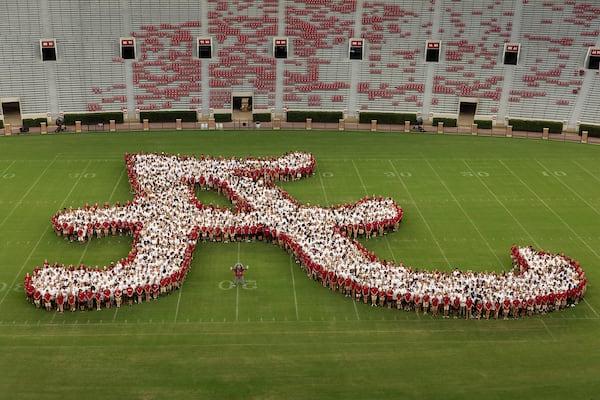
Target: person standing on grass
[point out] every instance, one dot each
(238, 274)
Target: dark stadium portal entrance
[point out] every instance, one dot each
(466, 114)
(241, 108)
(242, 103)
(12, 113)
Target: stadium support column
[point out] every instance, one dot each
(129, 88)
(204, 63)
(583, 94)
(280, 62)
(355, 66)
(50, 67)
(509, 70)
(431, 67)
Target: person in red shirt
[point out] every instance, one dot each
(407, 301)
(98, 297)
(139, 291)
(348, 287)
(389, 297)
(425, 303)
(129, 294)
(488, 309)
(516, 308)
(48, 301)
(71, 300)
(60, 301)
(118, 298)
(107, 302)
(148, 292)
(435, 302)
(374, 292)
(238, 274)
(446, 301)
(456, 307)
(505, 308)
(417, 302)
(479, 309)
(81, 300)
(469, 307)
(381, 298)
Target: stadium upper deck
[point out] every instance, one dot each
(554, 40)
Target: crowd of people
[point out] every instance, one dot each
(166, 220)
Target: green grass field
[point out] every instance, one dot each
(466, 201)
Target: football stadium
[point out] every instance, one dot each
(307, 199)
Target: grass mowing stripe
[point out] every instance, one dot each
(33, 185)
(591, 308)
(43, 234)
(569, 187)
(550, 209)
(419, 211)
(464, 212)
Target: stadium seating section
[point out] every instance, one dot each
(550, 81)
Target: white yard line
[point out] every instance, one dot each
(33, 185)
(178, 301)
(323, 188)
(569, 187)
(464, 212)
(547, 329)
(116, 185)
(355, 309)
(237, 290)
(590, 173)
(237, 303)
(294, 288)
(360, 178)
(591, 308)
(7, 168)
(42, 236)
(419, 211)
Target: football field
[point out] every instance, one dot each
(466, 201)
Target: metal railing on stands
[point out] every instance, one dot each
(242, 125)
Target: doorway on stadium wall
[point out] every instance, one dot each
(466, 113)
(241, 104)
(11, 109)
